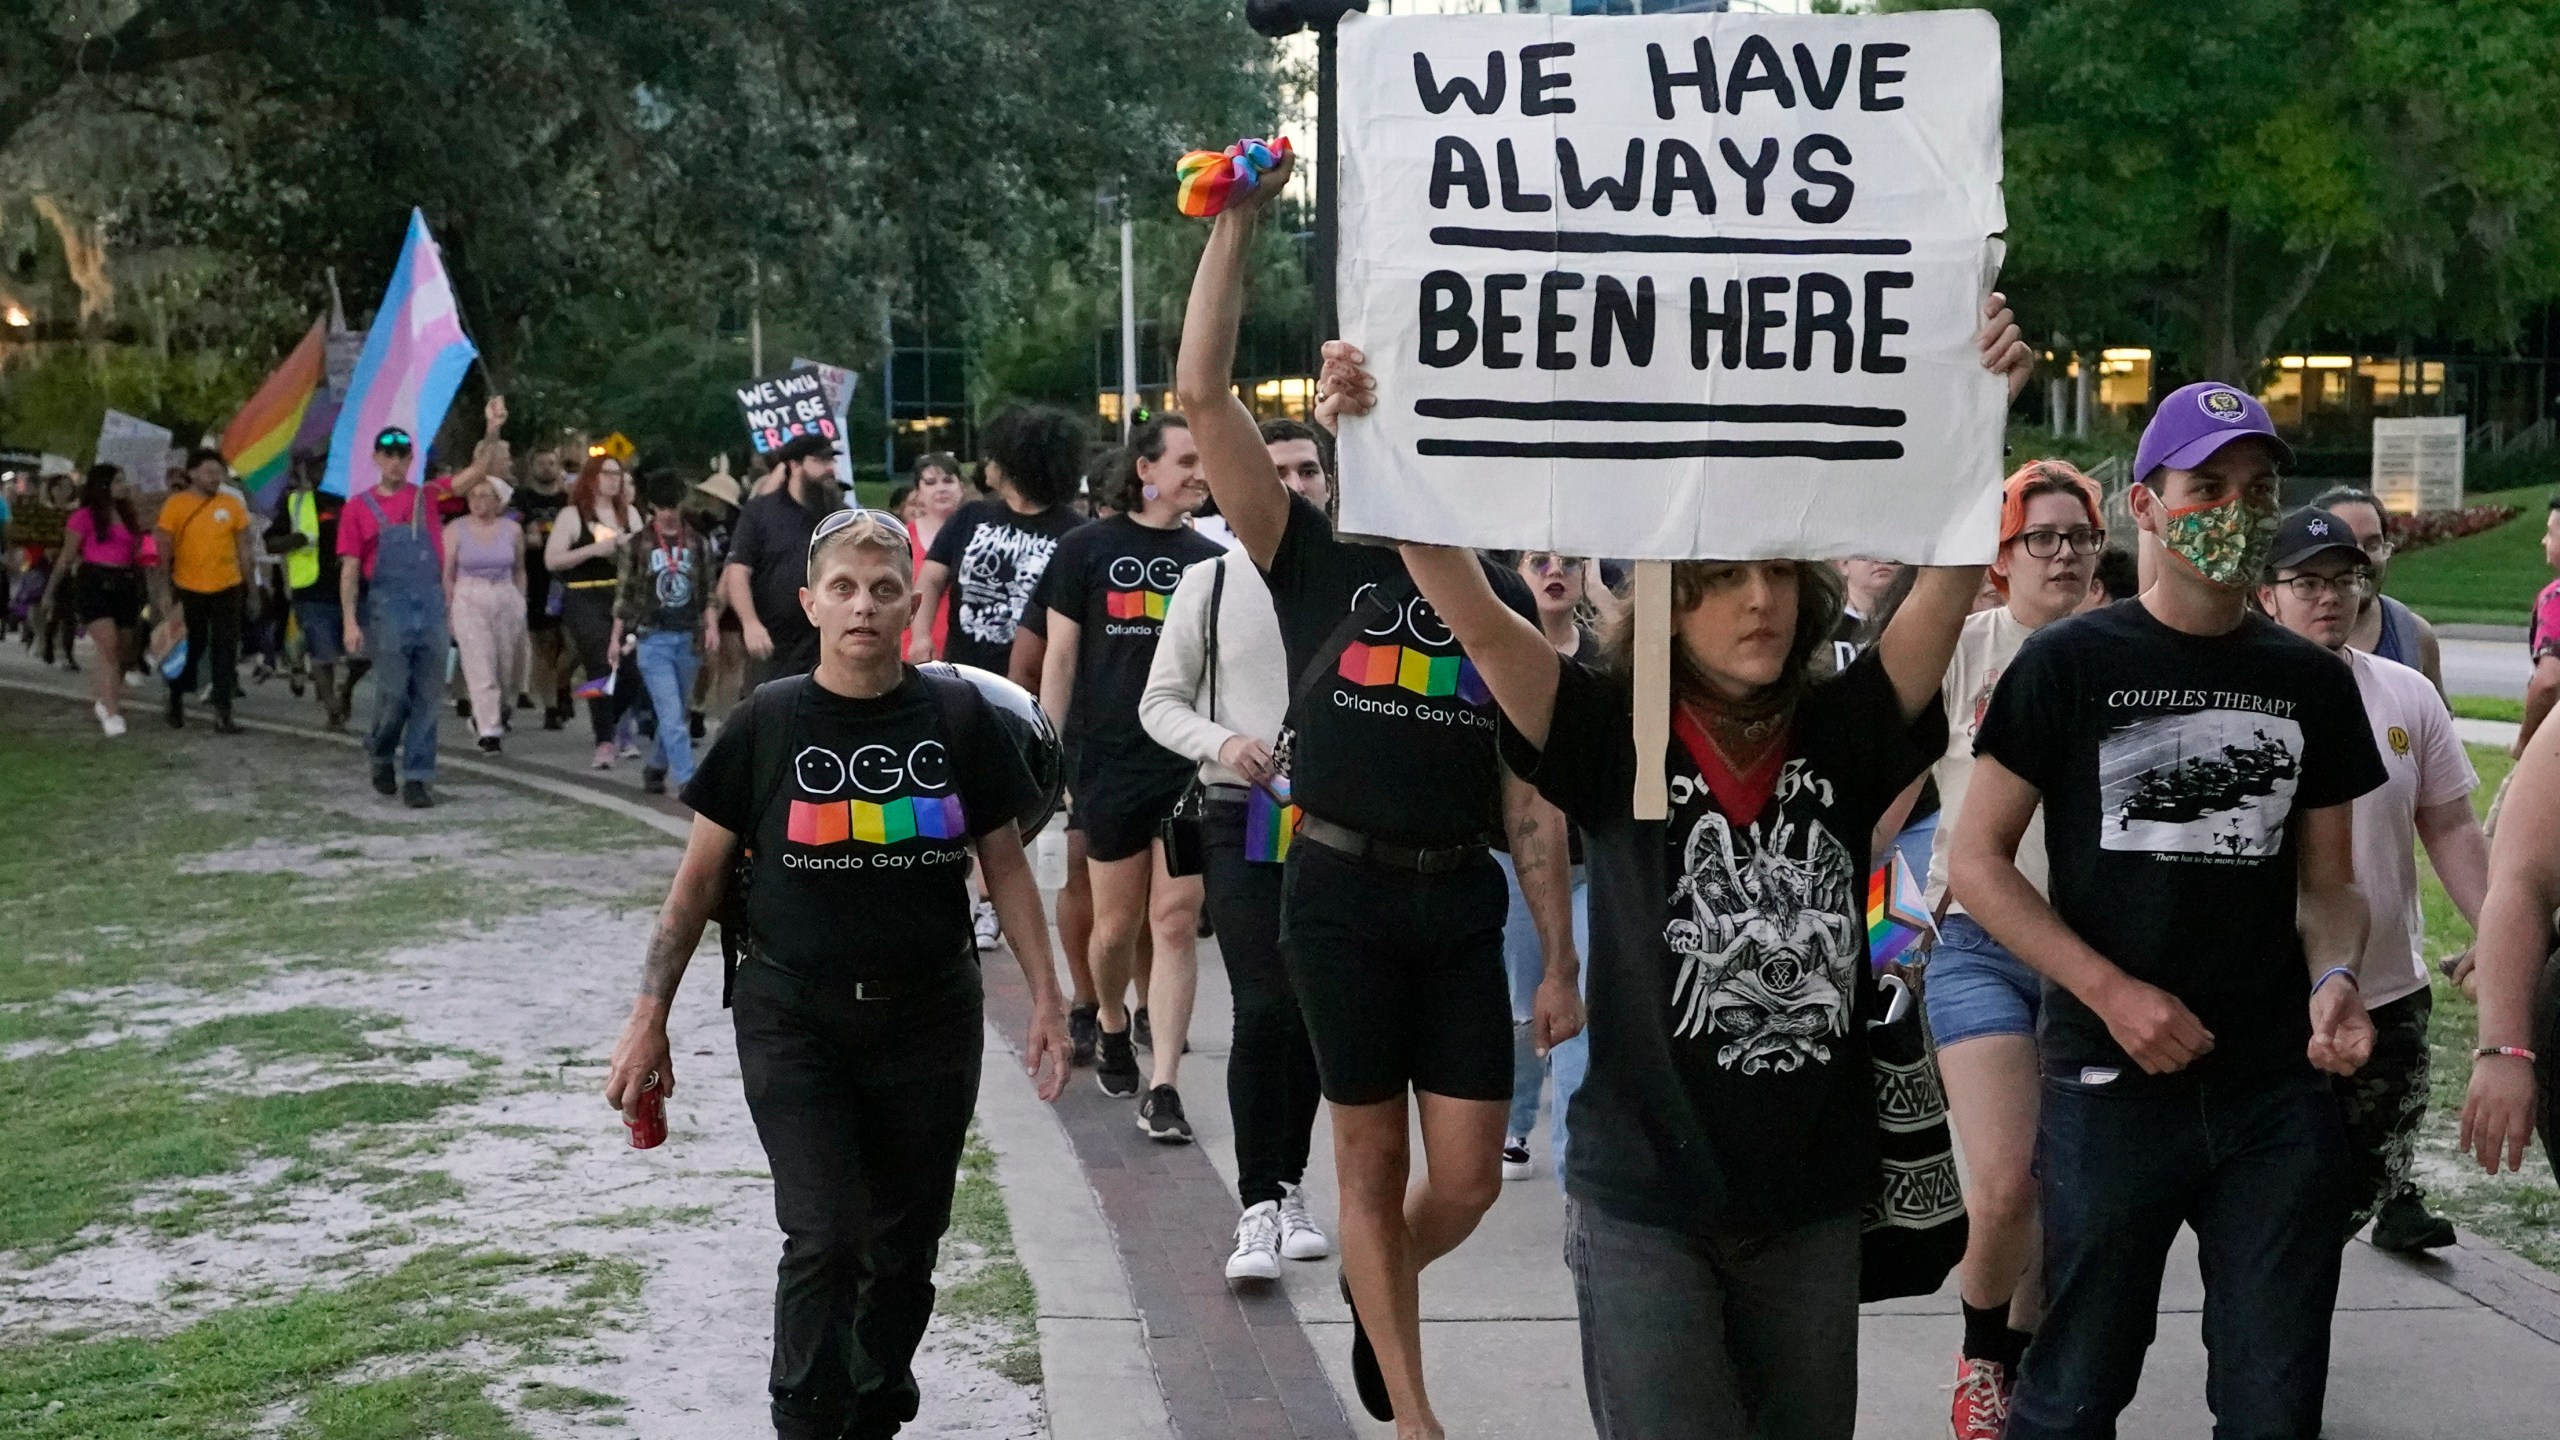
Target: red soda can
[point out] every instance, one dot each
(649, 1130)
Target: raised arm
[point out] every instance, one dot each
(1517, 663)
(1916, 647)
(1250, 496)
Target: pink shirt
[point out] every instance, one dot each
(120, 547)
(2544, 638)
(359, 536)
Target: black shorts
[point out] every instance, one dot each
(1120, 813)
(107, 592)
(1400, 976)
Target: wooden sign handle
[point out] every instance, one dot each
(1652, 687)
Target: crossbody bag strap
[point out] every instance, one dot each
(769, 712)
(1217, 597)
(1331, 655)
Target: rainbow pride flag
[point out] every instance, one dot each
(258, 443)
(1897, 912)
(1135, 605)
(1270, 822)
(415, 355)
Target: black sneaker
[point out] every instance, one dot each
(1116, 1069)
(489, 745)
(223, 724)
(694, 724)
(1160, 1115)
(415, 796)
(1366, 1377)
(1084, 1031)
(1140, 1030)
(2405, 1227)
(523, 701)
(653, 782)
(177, 708)
(385, 780)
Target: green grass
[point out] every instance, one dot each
(647, 1216)
(2519, 1211)
(84, 1132)
(998, 1291)
(2485, 579)
(215, 1376)
(2488, 707)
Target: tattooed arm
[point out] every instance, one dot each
(1541, 854)
(700, 878)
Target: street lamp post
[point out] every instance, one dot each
(1276, 19)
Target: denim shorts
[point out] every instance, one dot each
(1973, 987)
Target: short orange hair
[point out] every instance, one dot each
(2042, 477)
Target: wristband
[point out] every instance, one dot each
(2332, 973)
(2516, 1051)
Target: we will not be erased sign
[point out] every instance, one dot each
(1674, 287)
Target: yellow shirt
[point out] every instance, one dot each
(205, 555)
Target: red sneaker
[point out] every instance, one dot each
(1982, 1400)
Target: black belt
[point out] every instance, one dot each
(1226, 794)
(904, 987)
(1393, 854)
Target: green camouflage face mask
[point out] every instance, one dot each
(2226, 543)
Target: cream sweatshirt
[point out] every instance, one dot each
(1253, 679)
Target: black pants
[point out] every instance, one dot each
(863, 1106)
(588, 617)
(2383, 1104)
(213, 637)
(1272, 1085)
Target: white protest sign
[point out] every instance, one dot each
(137, 447)
(1674, 287)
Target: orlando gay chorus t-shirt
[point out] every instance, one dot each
(2171, 766)
(862, 858)
(1115, 578)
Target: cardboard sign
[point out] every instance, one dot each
(136, 446)
(1674, 287)
(781, 408)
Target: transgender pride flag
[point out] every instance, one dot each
(414, 359)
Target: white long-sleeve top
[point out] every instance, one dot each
(1253, 678)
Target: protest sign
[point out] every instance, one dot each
(781, 408)
(1673, 287)
(838, 383)
(137, 447)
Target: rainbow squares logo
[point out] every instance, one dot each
(912, 817)
(1405, 668)
(1134, 604)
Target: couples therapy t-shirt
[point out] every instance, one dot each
(1115, 578)
(1396, 738)
(862, 857)
(2171, 766)
(1730, 1081)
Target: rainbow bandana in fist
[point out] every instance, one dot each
(1208, 181)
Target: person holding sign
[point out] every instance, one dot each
(1726, 1138)
(2195, 762)
(1392, 906)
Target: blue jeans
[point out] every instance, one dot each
(406, 635)
(1524, 959)
(1974, 987)
(667, 665)
(2256, 1167)
(324, 635)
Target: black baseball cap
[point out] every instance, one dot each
(805, 447)
(2305, 533)
(393, 438)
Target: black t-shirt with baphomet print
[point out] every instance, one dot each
(1729, 992)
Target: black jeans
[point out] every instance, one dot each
(1272, 1086)
(863, 1106)
(588, 617)
(2254, 1166)
(1716, 1335)
(213, 637)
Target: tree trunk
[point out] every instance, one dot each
(2262, 336)
(2221, 346)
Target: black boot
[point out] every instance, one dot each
(177, 709)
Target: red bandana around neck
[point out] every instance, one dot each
(1740, 792)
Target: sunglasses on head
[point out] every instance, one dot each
(395, 440)
(848, 518)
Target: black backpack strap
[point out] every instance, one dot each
(768, 751)
(1361, 613)
(963, 711)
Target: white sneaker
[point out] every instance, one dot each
(989, 929)
(1299, 1237)
(111, 723)
(1257, 1254)
(1516, 1164)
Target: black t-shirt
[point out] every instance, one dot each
(2170, 765)
(862, 858)
(1397, 740)
(772, 541)
(1114, 578)
(996, 559)
(1729, 989)
(539, 512)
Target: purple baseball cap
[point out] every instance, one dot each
(2194, 421)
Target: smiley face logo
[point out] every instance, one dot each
(1424, 623)
(819, 771)
(2399, 740)
(876, 770)
(1163, 573)
(928, 766)
(2223, 405)
(1128, 572)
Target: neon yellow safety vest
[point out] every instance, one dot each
(302, 567)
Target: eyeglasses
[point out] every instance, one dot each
(2377, 549)
(2045, 544)
(1566, 564)
(846, 519)
(2309, 588)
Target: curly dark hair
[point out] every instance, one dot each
(1041, 448)
(1117, 480)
